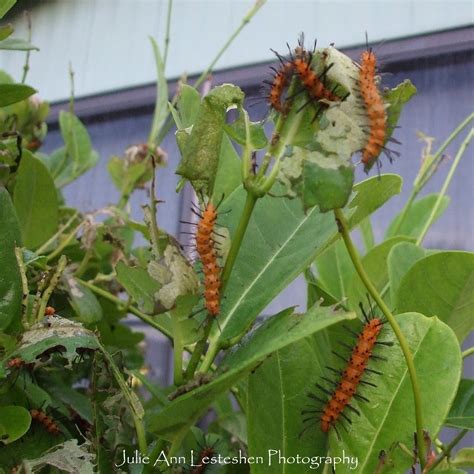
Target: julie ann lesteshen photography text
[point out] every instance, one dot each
(272, 457)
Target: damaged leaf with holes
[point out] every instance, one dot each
(201, 149)
(174, 274)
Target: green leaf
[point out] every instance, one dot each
(202, 148)
(10, 280)
(396, 98)
(401, 258)
(5, 31)
(14, 423)
(139, 285)
(461, 414)
(12, 93)
(375, 264)
(464, 458)
(276, 333)
(441, 285)
(79, 155)
(188, 105)
(277, 393)
(17, 44)
(36, 201)
(237, 131)
(84, 302)
(161, 104)
(228, 177)
(5, 5)
(367, 234)
(335, 270)
(389, 416)
(272, 256)
(417, 216)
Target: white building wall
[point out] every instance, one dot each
(107, 40)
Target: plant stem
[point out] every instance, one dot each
(167, 34)
(468, 352)
(26, 67)
(64, 243)
(136, 408)
(132, 309)
(24, 287)
(155, 233)
(52, 285)
(61, 230)
(177, 353)
(447, 450)
(198, 350)
(71, 81)
(446, 183)
(249, 206)
(356, 261)
(416, 189)
(257, 5)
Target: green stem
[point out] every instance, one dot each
(167, 34)
(447, 450)
(446, 183)
(245, 21)
(61, 230)
(177, 353)
(468, 352)
(71, 81)
(356, 261)
(237, 239)
(198, 350)
(64, 243)
(155, 233)
(24, 287)
(136, 408)
(132, 309)
(84, 262)
(52, 285)
(26, 67)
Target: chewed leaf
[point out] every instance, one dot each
(54, 334)
(68, 457)
(318, 179)
(396, 98)
(175, 274)
(202, 147)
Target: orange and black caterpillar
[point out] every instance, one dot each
(299, 64)
(49, 424)
(375, 110)
(207, 254)
(350, 377)
(199, 466)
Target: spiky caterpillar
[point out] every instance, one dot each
(208, 256)
(375, 109)
(352, 374)
(49, 424)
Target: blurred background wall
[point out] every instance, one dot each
(429, 42)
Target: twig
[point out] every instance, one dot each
(26, 67)
(447, 450)
(446, 183)
(53, 282)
